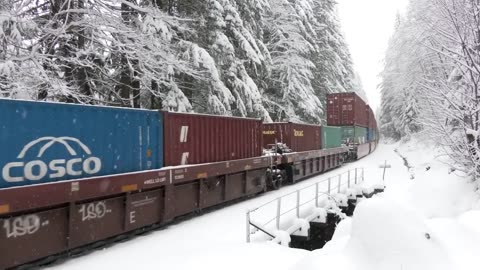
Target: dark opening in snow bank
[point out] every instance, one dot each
(320, 233)
(405, 163)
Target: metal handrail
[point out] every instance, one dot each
(279, 213)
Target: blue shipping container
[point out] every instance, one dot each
(45, 142)
(371, 136)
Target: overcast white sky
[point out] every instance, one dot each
(368, 25)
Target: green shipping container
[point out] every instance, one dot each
(354, 134)
(331, 137)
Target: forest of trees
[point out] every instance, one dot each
(431, 78)
(270, 59)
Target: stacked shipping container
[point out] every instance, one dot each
(372, 125)
(371, 134)
(356, 118)
(346, 109)
(54, 141)
(198, 138)
(298, 137)
(331, 137)
(354, 134)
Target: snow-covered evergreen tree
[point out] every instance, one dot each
(430, 81)
(357, 87)
(335, 70)
(269, 59)
(291, 91)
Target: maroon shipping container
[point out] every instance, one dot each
(372, 123)
(370, 119)
(298, 137)
(346, 109)
(200, 138)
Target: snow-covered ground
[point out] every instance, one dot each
(427, 221)
(424, 223)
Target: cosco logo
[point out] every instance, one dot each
(37, 170)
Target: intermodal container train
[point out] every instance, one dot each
(73, 175)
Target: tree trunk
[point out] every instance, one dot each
(129, 88)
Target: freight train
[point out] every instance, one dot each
(73, 175)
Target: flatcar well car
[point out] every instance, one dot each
(73, 175)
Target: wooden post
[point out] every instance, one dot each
(384, 169)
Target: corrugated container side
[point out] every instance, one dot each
(276, 133)
(199, 138)
(368, 112)
(45, 142)
(361, 134)
(371, 135)
(299, 137)
(372, 123)
(354, 134)
(306, 137)
(346, 109)
(331, 137)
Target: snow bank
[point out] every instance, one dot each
(434, 191)
(461, 243)
(429, 222)
(471, 220)
(384, 235)
(438, 194)
(387, 235)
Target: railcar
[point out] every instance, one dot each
(357, 121)
(74, 175)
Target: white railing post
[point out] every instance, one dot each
(298, 203)
(339, 182)
(248, 226)
(316, 194)
(348, 179)
(329, 184)
(279, 204)
(355, 176)
(363, 175)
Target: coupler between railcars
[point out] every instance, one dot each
(276, 176)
